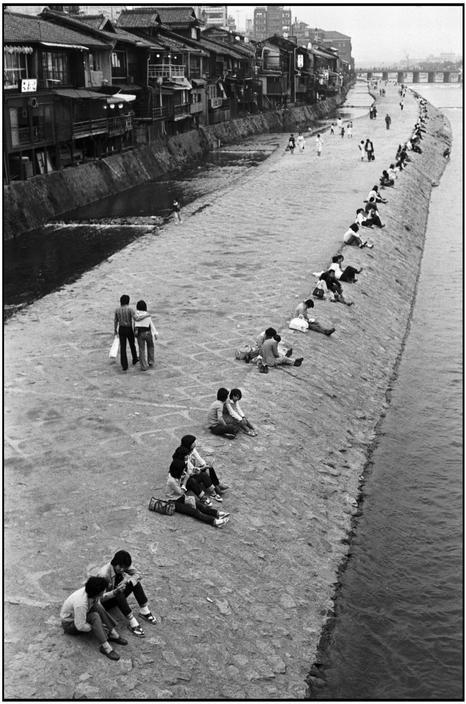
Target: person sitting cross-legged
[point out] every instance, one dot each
(215, 420)
(302, 311)
(82, 612)
(123, 580)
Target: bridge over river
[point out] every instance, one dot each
(414, 76)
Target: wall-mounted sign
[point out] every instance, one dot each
(28, 85)
(300, 61)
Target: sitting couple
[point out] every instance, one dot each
(190, 483)
(225, 416)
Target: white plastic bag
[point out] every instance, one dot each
(298, 324)
(115, 348)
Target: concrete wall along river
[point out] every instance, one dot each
(241, 609)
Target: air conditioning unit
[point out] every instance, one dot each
(33, 103)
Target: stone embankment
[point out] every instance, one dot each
(27, 205)
(240, 610)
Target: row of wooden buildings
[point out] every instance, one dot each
(82, 87)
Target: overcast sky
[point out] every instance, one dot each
(381, 33)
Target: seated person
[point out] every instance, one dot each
(375, 195)
(372, 214)
(196, 465)
(123, 580)
(190, 506)
(348, 274)
(200, 485)
(82, 612)
(233, 413)
(385, 180)
(271, 357)
(351, 237)
(334, 286)
(392, 172)
(302, 311)
(215, 419)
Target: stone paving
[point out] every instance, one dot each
(240, 609)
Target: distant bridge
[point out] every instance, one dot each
(414, 76)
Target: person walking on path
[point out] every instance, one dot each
(176, 207)
(369, 149)
(349, 130)
(123, 580)
(215, 419)
(291, 144)
(342, 131)
(123, 325)
(300, 141)
(319, 145)
(388, 121)
(402, 104)
(339, 124)
(82, 612)
(145, 333)
(361, 149)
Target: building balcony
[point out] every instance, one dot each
(180, 111)
(165, 70)
(103, 125)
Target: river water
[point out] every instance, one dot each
(399, 612)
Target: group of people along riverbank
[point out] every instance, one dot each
(193, 487)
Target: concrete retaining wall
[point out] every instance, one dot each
(27, 205)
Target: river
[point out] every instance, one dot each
(397, 634)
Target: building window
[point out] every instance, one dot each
(95, 61)
(55, 68)
(119, 64)
(14, 68)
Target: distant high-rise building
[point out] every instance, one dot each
(212, 15)
(270, 20)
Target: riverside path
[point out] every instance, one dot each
(240, 609)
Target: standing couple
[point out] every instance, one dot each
(130, 323)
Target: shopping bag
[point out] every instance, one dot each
(298, 324)
(115, 348)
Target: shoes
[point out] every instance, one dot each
(118, 639)
(149, 617)
(384, 225)
(298, 362)
(251, 433)
(330, 332)
(223, 514)
(263, 368)
(222, 487)
(137, 631)
(110, 654)
(217, 497)
(369, 245)
(230, 436)
(206, 501)
(135, 361)
(289, 352)
(220, 522)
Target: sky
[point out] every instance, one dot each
(381, 33)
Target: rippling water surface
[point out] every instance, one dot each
(398, 632)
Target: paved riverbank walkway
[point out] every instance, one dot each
(86, 445)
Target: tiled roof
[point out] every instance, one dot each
(87, 24)
(94, 21)
(176, 14)
(328, 36)
(139, 17)
(26, 28)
